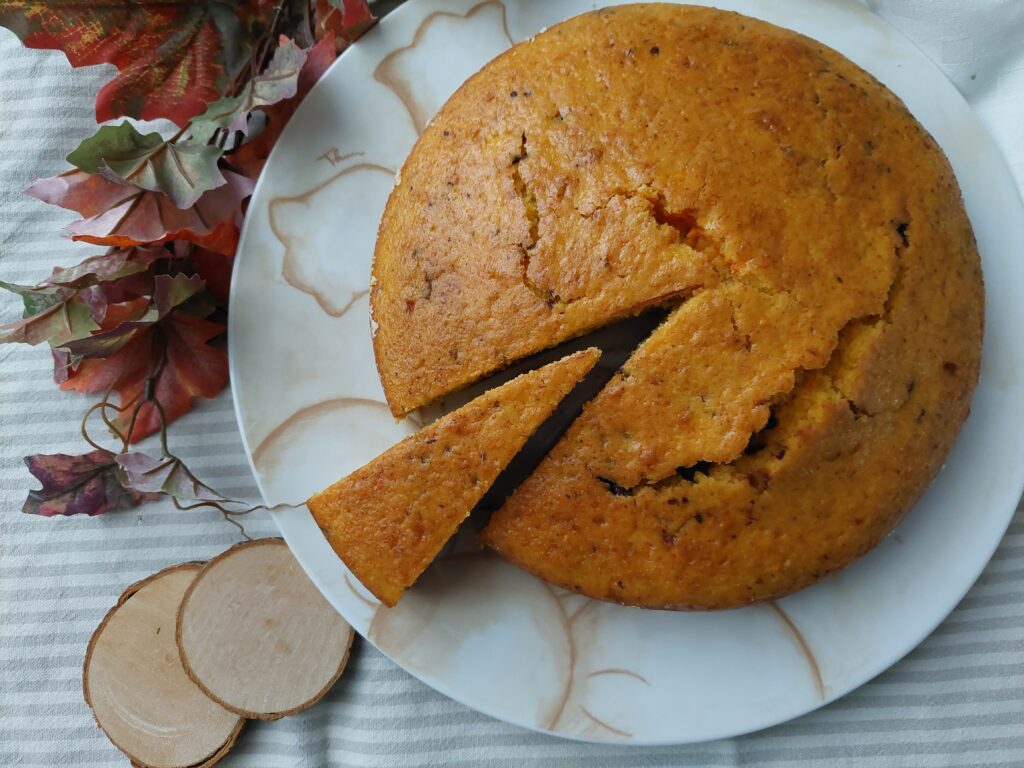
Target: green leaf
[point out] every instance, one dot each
(21, 290)
(182, 171)
(42, 299)
(279, 81)
(57, 324)
(119, 143)
(47, 316)
(36, 299)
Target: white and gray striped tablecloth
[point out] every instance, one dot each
(958, 700)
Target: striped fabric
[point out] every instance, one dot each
(958, 700)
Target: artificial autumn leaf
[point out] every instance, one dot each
(127, 365)
(215, 269)
(124, 312)
(37, 298)
(175, 351)
(173, 58)
(347, 19)
(192, 369)
(113, 265)
(50, 315)
(251, 156)
(120, 215)
(277, 82)
(130, 319)
(85, 193)
(182, 171)
(116, 301)
(61, 365)
(79, 485)
(167, 475)
(92, 296)
(106, 343)
(117, 270)
(120, 143)
(171, 291)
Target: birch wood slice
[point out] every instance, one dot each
(257, 636)
(137, 688)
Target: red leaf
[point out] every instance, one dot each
(252, 155)
(215, 269)
(79, 485)
(193, 369)
(126, 291)
(173, 57)
(123, 368)
(120, 215)
(123, 312)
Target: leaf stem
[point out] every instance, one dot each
(174, 139)
(85, 428)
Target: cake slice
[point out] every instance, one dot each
(388, 520)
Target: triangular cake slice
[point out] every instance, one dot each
(388, 520)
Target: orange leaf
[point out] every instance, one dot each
(123, 368)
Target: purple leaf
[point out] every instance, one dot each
(79, 485)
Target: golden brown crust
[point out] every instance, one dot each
(813, 236)
(389, 519)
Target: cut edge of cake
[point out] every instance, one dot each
(389, 519)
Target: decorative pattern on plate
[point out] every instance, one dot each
(313, 263)
(408, 71)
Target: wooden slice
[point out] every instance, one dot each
(256, 634)
(137, 688)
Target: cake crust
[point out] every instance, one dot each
(828, 301)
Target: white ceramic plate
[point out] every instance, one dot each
(311, 409)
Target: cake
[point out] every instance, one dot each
(808, 236)
(389, 519)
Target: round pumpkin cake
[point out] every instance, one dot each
(803, 229)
